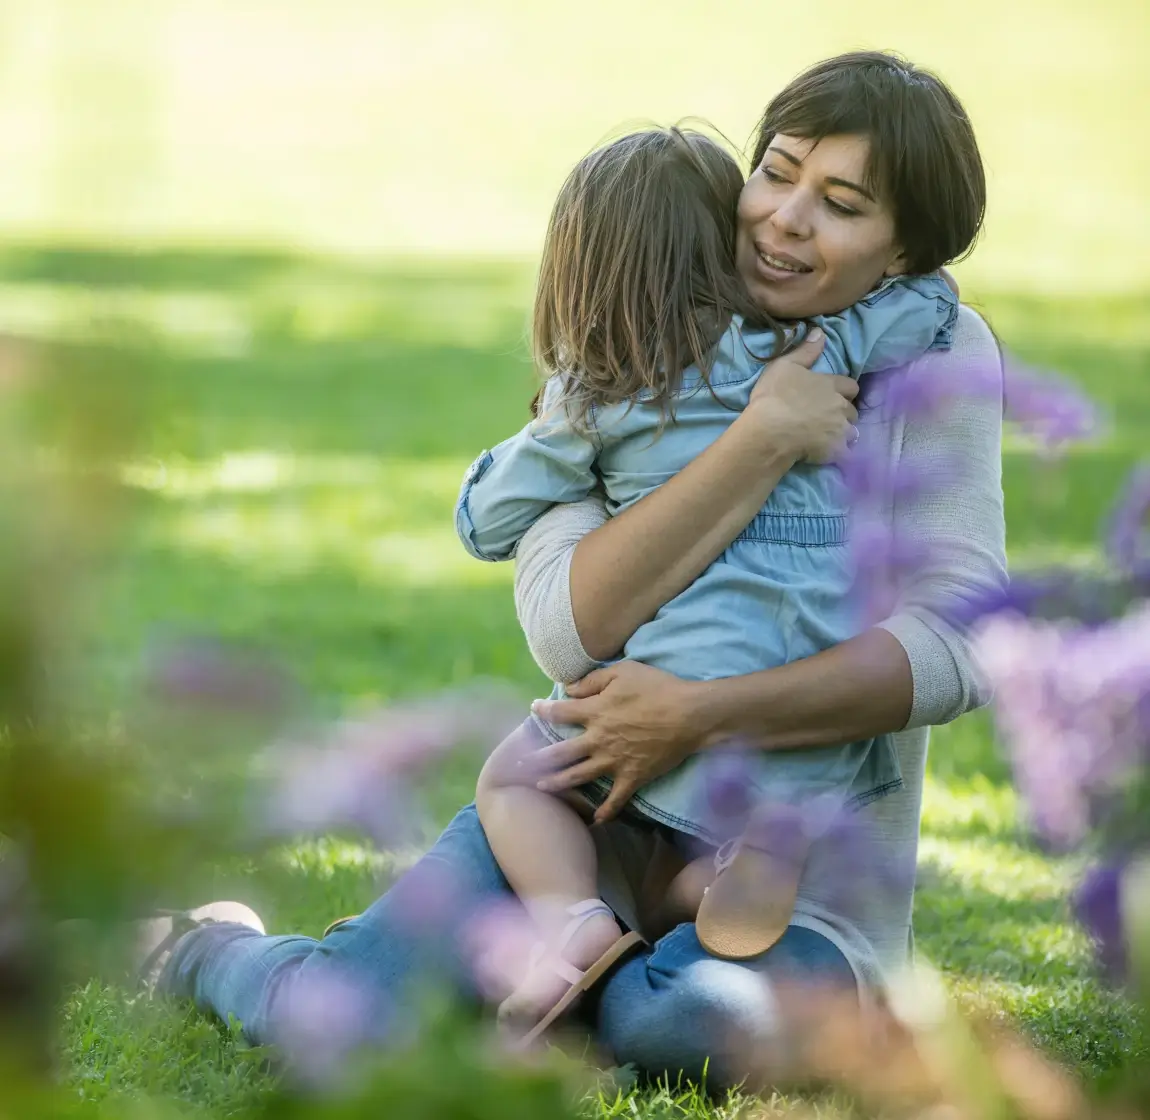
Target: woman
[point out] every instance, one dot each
(877, 163)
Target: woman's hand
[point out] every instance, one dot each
(811, 414)
(639, 723)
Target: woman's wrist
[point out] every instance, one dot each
(717, 711)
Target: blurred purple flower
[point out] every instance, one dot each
(1048, 407)
(785, 830)
(733, 810)
(1098, 907)
(1128, 541)
(928, 387)
(497, 942)
(885, 563)
(208, 674)
(430, 898)
(361, 774)
(871, 480)
(725, 792)
(323, 1018)
(1021, 595)
(1070, 704)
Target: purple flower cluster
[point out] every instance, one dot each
(1128, 540)
(1050, 409)
(1071, 705)
(855, 871)
(1098, 908)
(210, 676)
(361, 774)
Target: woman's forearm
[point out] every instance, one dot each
(624, 571)
(855, 690)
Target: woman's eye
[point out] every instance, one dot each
(772, 176)
(842, 208)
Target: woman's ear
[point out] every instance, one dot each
(898, 266)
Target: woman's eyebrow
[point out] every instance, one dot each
(852, 187)
(830, 179)
(786, 155)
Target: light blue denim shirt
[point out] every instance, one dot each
(780, 591)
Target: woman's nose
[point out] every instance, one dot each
(792, 216)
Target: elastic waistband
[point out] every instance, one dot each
(810, 530)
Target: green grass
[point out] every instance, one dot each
(297, 494)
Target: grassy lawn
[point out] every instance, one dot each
(318, 416)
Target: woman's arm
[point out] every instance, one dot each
(914, 669)
(624, 571)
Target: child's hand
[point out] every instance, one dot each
(810, 414)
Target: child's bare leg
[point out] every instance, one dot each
(676, 899)
(545, 850)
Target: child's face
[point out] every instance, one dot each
(811, 239)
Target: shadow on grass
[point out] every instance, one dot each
(390, 375)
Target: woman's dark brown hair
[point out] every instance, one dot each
(638, 277)
(924, 161)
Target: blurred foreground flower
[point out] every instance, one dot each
(323, 1021)
(362, 773)
(1048, 408)
(1071, 705)
(855, 872)
(1098, 908)
(1128, 542)
(203, 675)
(1113, 905)
(885, 565)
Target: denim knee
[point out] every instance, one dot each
(681, 1012)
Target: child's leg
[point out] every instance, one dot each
(673, 890)
(545, 850)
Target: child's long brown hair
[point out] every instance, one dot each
(638, 278)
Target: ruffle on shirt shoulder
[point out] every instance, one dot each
(930, 286)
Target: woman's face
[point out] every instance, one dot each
(812, 240)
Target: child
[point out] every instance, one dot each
(652, 348)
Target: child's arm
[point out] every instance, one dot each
(506, 489)
(891, 326)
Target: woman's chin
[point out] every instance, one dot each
(783, 305)
(787, 300)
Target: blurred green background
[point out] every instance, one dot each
(375, 126)
(326, 215)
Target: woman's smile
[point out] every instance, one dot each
(777, 265)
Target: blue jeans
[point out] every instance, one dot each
(666, 1010)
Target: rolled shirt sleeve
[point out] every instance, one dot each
(506, 489)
